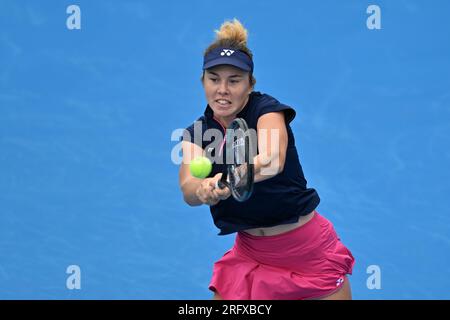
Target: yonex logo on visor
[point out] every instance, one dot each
(227, 56)
(227, 52)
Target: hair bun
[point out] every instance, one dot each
(234, 31)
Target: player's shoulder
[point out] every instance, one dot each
(200, 121)
(264, 103)
(199, 126)
(263, 99)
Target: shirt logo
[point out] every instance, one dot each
(227, 52)
(339, 282)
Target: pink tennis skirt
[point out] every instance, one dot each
(305, 263)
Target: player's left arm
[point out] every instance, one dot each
(272, 145)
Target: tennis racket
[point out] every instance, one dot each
(238, 174)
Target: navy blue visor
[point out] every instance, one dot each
(219, 56)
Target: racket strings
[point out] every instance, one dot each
(240, 171)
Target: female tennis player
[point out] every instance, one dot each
(284, 249)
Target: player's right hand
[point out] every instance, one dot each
(205, 192)
(208, 194)
(221, 194)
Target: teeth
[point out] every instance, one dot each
(223, 102)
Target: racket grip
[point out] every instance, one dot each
(220, 184)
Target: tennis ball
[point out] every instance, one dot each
(200, 167)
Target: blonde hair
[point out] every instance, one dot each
(233, 35)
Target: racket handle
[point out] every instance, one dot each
(220, 184)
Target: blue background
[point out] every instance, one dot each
(86, 118)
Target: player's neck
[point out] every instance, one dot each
(225, 121)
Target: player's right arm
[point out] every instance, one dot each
(198, 191)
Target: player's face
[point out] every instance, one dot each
(227, 91)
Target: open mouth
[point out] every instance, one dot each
(223, 102)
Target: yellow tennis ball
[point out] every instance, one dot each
(200, 167)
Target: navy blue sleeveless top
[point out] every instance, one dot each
(281, 199)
